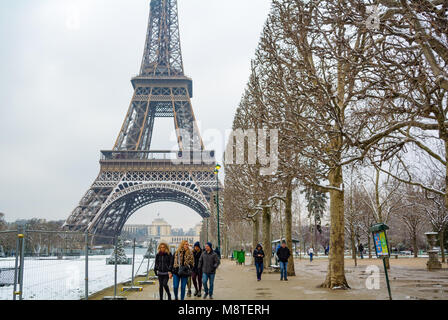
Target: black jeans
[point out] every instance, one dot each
(197, 280)
(163, 284)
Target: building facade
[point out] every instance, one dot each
(161, 231)
(159, 228)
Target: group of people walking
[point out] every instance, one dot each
(199, 266)
(283, 254)
(184, 266)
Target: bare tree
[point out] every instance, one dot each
(437, 213)
(412, 54)
(3, 225)
(321, 89)
(411, 214)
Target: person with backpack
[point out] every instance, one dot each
(182, 266)
(197, 273)
(283, 255)
(258, 257)
(208, 263)
(162, 268)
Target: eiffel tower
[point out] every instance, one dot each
(132, 175)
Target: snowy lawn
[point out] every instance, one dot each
(51, 279)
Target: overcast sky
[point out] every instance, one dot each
(65, 70)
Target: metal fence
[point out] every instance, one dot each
(56, 265)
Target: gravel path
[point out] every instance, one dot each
(409, 280)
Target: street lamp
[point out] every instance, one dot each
(216, 172)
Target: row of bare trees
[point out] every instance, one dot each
(348, 84)
(409, 211)
(42, 237)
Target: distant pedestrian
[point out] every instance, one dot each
(182, 266)
(311, 253)
(242, 257)
(361, 250)
(258, 257)
(327, 250)
(197, 273)
(162, 268)
(283, 255)
(208, 263)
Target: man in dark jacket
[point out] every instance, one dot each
(258, 257)
(208, 263)
(361, 250)
(196, 275)
(283, 255)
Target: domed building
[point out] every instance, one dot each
(159, 228)
(161, 231)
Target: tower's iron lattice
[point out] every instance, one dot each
(132, 175)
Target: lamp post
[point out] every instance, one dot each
(216, 172)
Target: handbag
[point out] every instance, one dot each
(184, 271)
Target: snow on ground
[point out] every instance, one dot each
(52, 279)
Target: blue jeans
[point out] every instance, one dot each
(205, 278)
(311, 257)
(259, 267)
(283, 269)
(183, 283)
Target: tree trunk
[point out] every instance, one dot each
(255, 231)
(300, 231)
(414, 242)
(224, 251)
(312, 233)
(352, 240)
(446, 171)
(314, 237)
(282, 232)
(288, 227)
(370, 246)
(442, 246)
(336, 273)
(267, 247)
